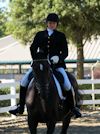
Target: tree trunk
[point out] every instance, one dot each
(80, 61)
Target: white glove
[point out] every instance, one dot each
(54, 59)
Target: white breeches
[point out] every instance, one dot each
(67, 85)
(27, 78)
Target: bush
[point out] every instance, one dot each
(5, 91)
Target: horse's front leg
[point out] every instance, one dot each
(50, 127)
(65, 126)
(32, 125)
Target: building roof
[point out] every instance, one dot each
(91, 50)
(13, 50)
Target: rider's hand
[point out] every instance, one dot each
(54, 59)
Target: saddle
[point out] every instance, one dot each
(60, 79)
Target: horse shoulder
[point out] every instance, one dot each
(30, 93)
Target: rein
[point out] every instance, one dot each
(42, 60)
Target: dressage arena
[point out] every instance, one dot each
(88, 124)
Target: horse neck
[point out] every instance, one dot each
(50, 91)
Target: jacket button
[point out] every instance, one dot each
(48, 41)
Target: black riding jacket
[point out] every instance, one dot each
(55, 44)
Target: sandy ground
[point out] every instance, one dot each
(88, 124)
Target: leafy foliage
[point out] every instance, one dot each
(79, 20)
(78, 17)
(3, 20)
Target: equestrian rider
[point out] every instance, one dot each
(54, 44)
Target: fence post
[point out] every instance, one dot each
(93, 87)
(13, 92)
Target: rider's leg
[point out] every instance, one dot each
(58, 88)
(23, 89)
(70, 93)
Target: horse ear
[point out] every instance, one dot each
(40, 54)
(39, 50)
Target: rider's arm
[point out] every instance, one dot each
(34, 46)
(64, 48)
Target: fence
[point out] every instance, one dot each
(12, 96)
(92, 91)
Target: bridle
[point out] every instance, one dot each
(37, 84)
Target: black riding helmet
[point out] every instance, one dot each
(52, 17)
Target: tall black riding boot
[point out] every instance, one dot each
(71, 100)
(20, 106)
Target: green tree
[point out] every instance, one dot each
(3, 20)
(80, 19)
(23, 23)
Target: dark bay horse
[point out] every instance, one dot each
(43, 102)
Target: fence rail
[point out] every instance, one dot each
(13, 95)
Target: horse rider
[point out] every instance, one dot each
(54, 44)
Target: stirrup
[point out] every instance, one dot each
(76, 112)
(17, 111)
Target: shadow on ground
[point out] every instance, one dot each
(90, 124)
(72, 130)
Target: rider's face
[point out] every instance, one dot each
(52, 25)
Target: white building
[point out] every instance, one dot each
(12, 51)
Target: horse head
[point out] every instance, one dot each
(42, 74)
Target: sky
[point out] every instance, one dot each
(4, 3)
